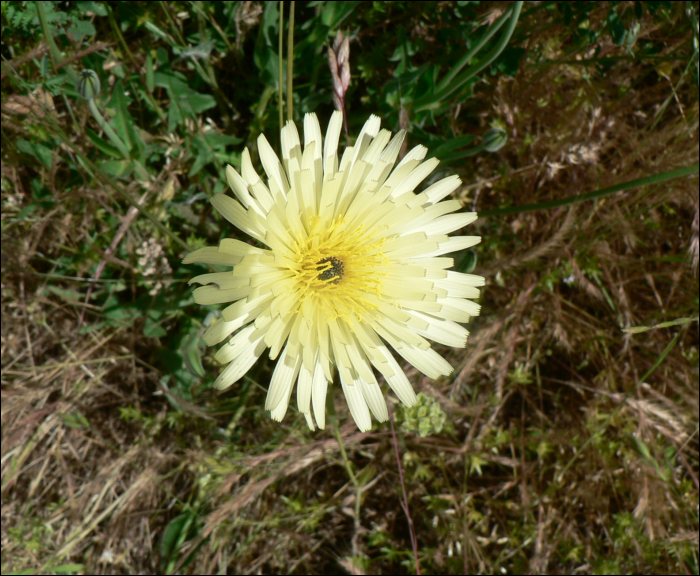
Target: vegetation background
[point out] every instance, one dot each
(566, 440)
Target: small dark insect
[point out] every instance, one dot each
(331, 273)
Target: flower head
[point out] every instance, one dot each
(352, 263)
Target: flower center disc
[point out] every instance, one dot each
(339, 268)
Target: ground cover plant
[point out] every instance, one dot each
(565, 440)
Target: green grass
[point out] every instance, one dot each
(566, 439)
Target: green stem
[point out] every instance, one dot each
(209, 77)
(56, 55)
(280, 48)
(346, 460)
(197, 7)
(290, 64)
(111, 134)
(125, 48)
(353, 478)
(57, 58)
(656, 179)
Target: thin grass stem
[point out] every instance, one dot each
(656, 179)
(404, 504)
(280, 80)
(125, 48)
(290, 64)
(56, 55)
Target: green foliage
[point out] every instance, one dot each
(181, 529)
(74, 23)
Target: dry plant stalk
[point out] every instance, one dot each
(694, 248)
(339, 62)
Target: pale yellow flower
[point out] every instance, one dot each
(351, 262)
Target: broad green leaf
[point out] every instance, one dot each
(122, 122)
(102, 144)
(36, 150)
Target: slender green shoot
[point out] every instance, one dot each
(280, 80)
(290, 64)
(656, 179)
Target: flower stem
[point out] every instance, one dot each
(404, 504)
(280, 48)
(353, 479)
(111, 134)
(343, 453)
(290, 64)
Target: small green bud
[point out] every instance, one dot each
(89, 84)
(494, 139)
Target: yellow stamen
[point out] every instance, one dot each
(336, 267)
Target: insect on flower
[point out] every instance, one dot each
(353, 264)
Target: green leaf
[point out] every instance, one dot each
(334, 13)
(184, 100)
(120, 315)
(265, 53)
(118, 168)
(122, 122)
(475, 464)
(153, 330)
(155, 30)
(193, 356)
(174, 535)
(448, 149)
(617, 28)
(204, 155)
(67, 295)
(26, 211)
(75, 419)
(219, 141)
(466, 262)
(150, 85)
(197, 103)
(102, 144)
(36, 150)
(81, 28)
(201, 51)
(90, 8)
(181, 529)
(193, 103)
(175, 117)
